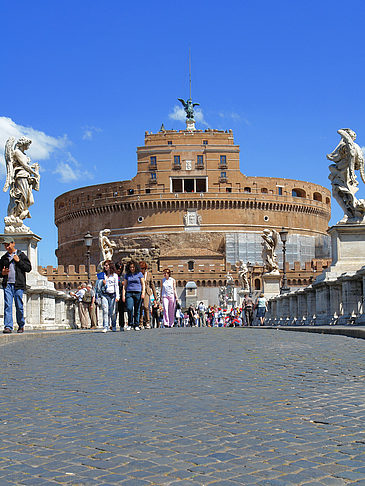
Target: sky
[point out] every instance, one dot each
(85, 79)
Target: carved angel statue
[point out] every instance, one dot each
(106, 246)
(269, 244)
(229, 280)
(347, 158)
(242, 274)
(188, 107)
(21, 179)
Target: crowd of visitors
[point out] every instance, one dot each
(130, 290)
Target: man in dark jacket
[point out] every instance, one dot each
(13, 266)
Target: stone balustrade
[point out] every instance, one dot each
(326, 302)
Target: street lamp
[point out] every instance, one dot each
(88, 240)
(284, 236)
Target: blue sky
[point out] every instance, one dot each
(85, 79)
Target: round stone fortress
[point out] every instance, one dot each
(190, 208)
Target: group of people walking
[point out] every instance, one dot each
(120, 289)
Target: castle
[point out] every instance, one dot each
(191, 209)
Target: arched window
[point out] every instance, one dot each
(264, 190)
(257, 284)
(190, 265)
(298, 192)
(247, 189)
(317, 196)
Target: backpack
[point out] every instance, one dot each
(88, 297)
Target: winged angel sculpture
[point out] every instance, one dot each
(188, 107)
(269, 244)
(21, 179)
(347, 158)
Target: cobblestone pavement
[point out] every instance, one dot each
(183, 407)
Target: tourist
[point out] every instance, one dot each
(201, 311)
(248, 309)
(169, 298)
(14, 264)
(82, 306)
(191, 314)
(179, 315)
(89, 300)
(121, 305)
(133, 293)
(149, 290)
(110, 292)
(156, 312)
(261, 308)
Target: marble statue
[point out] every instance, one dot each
(347, 158)
(21, 179)
(269, 244)
(106, 246)
(222, 296)
(188, 107)
(242, 275)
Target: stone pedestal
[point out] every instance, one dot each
(271, 284)
(348, 248)
(44, 306)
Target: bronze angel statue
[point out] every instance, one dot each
(188, 107)
(21, 179)
(347, 158)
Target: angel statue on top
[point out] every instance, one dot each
(188, 107)
(21, 179)
(347, 158)
(269, 244)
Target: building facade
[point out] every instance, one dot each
(191, 209)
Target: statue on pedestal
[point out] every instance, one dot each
(21, 179)
(269, 244)
(106, 246)
(347, 158)
(188, 107)
(242, 275)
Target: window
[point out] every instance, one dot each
(188, 185)
(228, 189)
(148, 191)
(153, 160)
(247, 189)
(153, 176)
(191, 266)
(298, 193)
(280, 190)
(205, 142)
(264, 190)
(223, 160)
(199, 161)
(223, 175)
(177, 160)
(169, 142)
(317, 196)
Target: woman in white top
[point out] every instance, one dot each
(169, 298)
(110, 296)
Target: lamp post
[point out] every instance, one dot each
(250, 270)
(88, 240)
(284, 236)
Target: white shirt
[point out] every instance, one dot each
(111, 285)
(168, 288)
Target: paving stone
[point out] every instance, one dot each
(260, 411)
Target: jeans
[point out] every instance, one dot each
(10, 294)
(133, 305)
(108, 306)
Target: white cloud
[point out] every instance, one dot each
(70, 170)
(89, 132)
(43, 147)
(180, 115)
(236, 117)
